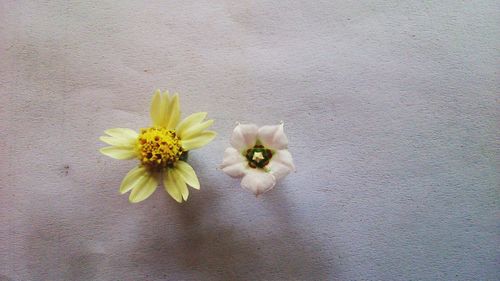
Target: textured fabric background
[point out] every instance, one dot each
(391, 108)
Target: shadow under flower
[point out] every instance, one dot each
(206, 247)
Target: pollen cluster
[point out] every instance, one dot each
(158, 147)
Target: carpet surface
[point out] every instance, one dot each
(391, 109)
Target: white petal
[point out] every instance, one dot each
(189, 121)
(234, 164)
(144, 190)
(258, 181)
(159, 105)
(273, 136)
(173, 185)
(187, 173)
(135, 177)
(119, 152)
(244, 136)
(281, 164)
(198, 140)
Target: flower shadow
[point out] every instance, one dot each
(211, 249)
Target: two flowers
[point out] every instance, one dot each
(258, 155)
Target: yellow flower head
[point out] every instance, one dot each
(161, 149)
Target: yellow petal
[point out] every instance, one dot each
(144, 190)
(155, 109)
(189, 121)
(181, 184)
(118, 141)
(134, 177)
(170, 182)
(172, 113)
(122, 133)
(158, 107)
(198, 140)
(197, 129)
(119, 152)
(187, 173)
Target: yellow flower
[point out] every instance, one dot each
(161, 149)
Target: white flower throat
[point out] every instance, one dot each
(258, 156)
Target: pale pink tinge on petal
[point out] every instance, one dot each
(244, 136)
(273, 136)
(234, 164)
(281, 164)
(258, 181)
(278, 170)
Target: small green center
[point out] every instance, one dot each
(258, 156)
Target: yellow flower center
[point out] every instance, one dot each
(158, 147)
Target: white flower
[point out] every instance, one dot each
(259, 155)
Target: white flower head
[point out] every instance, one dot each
(259, 155)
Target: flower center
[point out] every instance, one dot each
(258, 156)
(158, 147)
